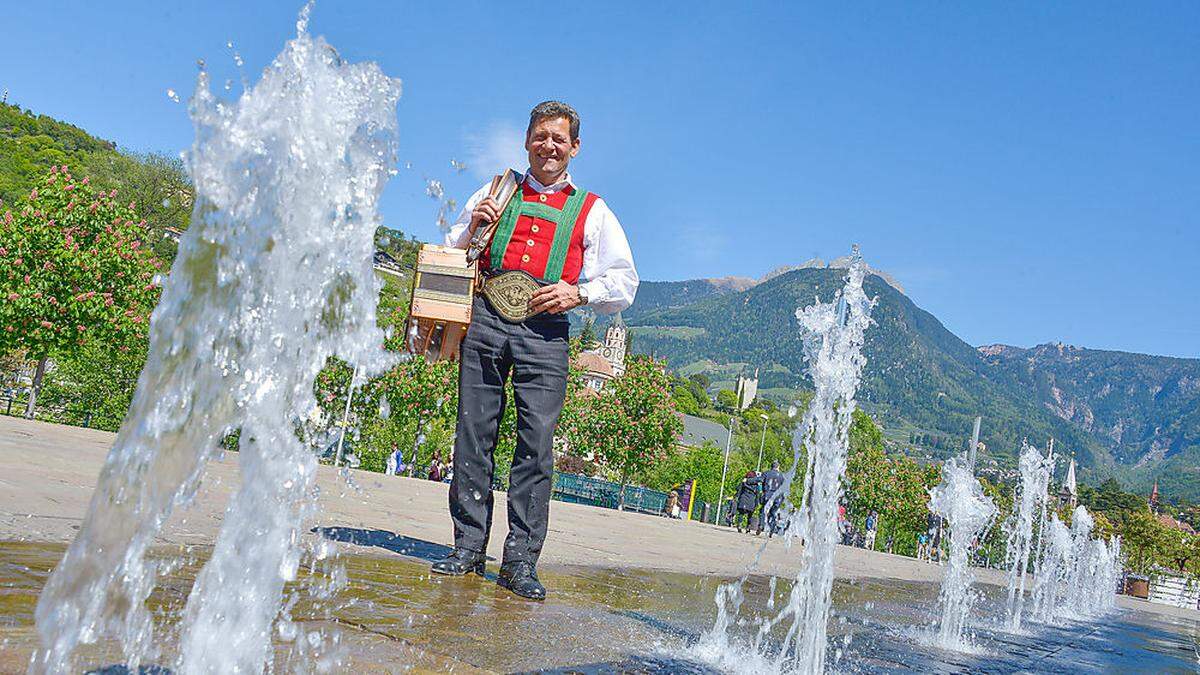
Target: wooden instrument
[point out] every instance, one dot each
(445, 282)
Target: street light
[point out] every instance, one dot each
(758, 467)
(337, 460)
(724, 471)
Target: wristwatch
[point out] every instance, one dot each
(583, 298)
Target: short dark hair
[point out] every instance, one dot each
(554, 110)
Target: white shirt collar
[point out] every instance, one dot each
(557, 187)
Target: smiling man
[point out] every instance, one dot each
(556, 247)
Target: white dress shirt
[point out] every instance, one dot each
(608, 278)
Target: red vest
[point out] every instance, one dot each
(542, 234)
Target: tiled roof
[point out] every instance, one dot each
(697, 431)
(594, 364)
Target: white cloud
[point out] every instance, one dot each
(498, 147)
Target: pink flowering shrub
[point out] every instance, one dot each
(70, 275)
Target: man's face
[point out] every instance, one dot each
(550, 146)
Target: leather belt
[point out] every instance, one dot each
(509, 294)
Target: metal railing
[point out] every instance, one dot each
(576, 489)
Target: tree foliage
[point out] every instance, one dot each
(630, 425)
(894, 486)
(73, 269)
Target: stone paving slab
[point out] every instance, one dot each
(48, 472)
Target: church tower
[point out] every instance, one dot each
(614, 346)
(1069, 493)
(747, 390)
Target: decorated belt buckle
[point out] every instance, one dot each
(509, 294)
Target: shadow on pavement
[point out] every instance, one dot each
(396, 543)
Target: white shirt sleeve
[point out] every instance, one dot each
(611, 278)
(459, 235)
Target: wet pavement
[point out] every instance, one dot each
(391, 615)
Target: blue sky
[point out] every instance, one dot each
(1028, 171)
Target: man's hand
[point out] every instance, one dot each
(556, 298)
(486, 211)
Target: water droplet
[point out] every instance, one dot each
(385, 408)
(237, 59)
(172, 95)
(476, 495)
(228, 85)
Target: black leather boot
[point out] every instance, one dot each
(460, 562)
(521, 578)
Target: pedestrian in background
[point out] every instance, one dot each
(748, 498)
(772, 498)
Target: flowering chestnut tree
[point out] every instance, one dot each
(73, 269)
(630, 426)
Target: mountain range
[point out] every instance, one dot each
(1131, 416)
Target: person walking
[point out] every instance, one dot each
(572, 246)
(671, 509)
(772, 499)
(872, 524)
(748, 497)
(436, 468)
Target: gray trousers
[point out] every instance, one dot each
(534, 355)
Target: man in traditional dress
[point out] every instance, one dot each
(576, 252)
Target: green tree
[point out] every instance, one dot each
(701, 463)
(1142, 541)
(156, 184)
(94, 385)
(73, 269)
(894, 486)
(685, 401)
(587, 335)
(727, 400)
(630, 426)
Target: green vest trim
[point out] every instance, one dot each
(564, 227)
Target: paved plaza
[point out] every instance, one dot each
(48, 472)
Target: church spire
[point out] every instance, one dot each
(1070, 484)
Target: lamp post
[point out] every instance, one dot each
(337, 460)
(758, 467)
(724, 471)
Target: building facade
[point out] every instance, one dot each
(747, 390)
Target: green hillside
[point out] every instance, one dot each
(30, 144)
(1146, 409)
(921, 380)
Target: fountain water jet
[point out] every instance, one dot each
(273, 277)
(1077, 576)
(833, 336)
(1035, 483)
(959, 499)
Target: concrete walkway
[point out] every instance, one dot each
(48, 472)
